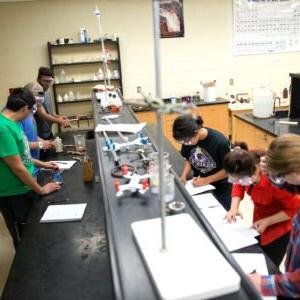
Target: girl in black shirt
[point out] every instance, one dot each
(204, 150)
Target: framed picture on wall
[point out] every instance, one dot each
(171, 18)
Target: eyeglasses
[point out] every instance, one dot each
(39, 99)
(278, 179)
(186, 142)
(247, 180)
(50, 81)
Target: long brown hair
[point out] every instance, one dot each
(283, 155)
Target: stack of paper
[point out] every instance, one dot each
(250, 262)
(235, 235)
(65, 164)
(63, 213)
(206, 200)
(193, 190)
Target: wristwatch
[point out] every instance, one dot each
(40, 144)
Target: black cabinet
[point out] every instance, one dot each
(295, 96)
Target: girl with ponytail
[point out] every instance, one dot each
(204, 150)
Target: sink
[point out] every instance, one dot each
(281, 114)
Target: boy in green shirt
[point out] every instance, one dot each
(16, 165)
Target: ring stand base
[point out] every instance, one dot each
(176, 207)
(190, 267)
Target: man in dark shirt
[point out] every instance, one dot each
(45, 116)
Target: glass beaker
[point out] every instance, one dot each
(154, 177)
(154, 158)
(79, 142)
(169, 187)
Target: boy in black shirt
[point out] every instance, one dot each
(204, 150)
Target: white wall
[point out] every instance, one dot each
(205, 53)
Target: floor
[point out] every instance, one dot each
(7, 253)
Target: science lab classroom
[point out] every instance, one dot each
(149, 149)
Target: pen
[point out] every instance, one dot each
(61, 162)
(57, 201)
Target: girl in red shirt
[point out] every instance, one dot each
(273, 208)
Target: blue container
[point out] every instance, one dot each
(57, 177)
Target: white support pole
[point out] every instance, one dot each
(105, 70)
(156, 28)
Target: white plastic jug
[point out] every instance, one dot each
(262, 102)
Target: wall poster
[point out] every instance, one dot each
(171, 18)
(266, 26)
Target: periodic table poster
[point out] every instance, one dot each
(266, 26)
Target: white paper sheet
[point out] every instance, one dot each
(253, 261)
(65, 164)
(133, 128)
(111, 117)
(206, 200)
(192, 190)
(63, 213)
(236, 235)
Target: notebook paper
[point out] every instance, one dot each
(63, 213)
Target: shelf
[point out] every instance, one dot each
(82, 82)
(76, 101)
(85, 63)
(81, 44)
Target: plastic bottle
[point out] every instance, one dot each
(88, 172)
(57, 177)
(58, 144)
(63, 76)
(285, 93)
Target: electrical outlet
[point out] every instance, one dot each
(139, 89)
(231, 81)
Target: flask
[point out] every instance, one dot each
(71, 96)
(88, 172)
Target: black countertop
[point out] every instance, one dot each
(218, 101)
(271, 125)
(130, 277)
(64, 261)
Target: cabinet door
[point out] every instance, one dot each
(254, 137)
(148, 117)
(215, 116)
(243, 132)
(263, 139)
(168, 129)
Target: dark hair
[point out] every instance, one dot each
(43, 71)
(240, 162)
(186, 126)
(241, 145)
(20, 97)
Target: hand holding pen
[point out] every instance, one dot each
(199, 181)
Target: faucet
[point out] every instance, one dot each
(274, 105)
